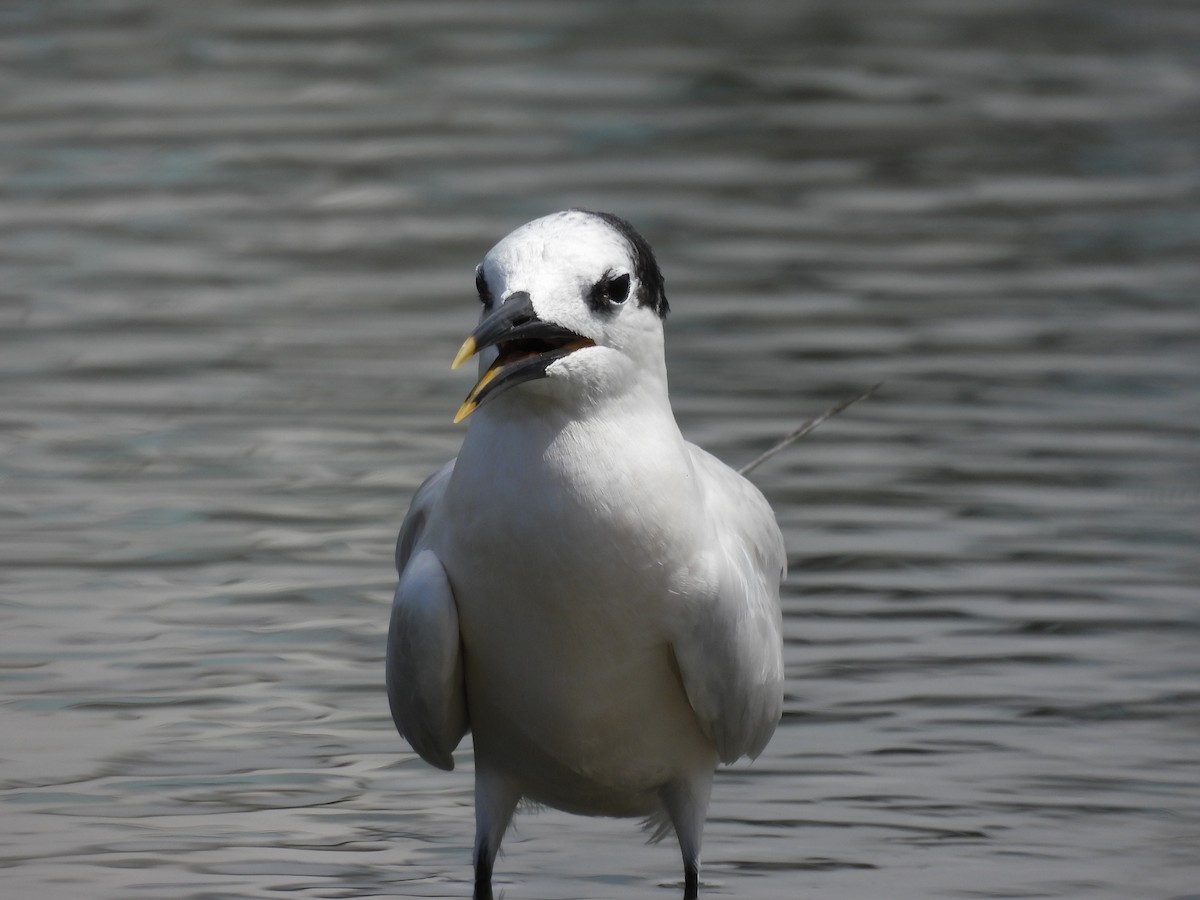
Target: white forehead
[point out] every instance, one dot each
(566, 242)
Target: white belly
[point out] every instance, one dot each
(586, 711)
(563, 602)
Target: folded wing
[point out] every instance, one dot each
(424, 651)
(728, 637)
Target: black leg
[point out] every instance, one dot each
(496, 798)
(483, 874)
(686, 802)
(691, 881)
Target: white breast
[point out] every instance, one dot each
(565, 581)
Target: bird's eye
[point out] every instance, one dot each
(481, 285)
(616, 290)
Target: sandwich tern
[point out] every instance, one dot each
(593, 597)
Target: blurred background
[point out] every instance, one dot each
(237, 244)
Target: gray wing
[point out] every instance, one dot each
(424, 656)
(728, 641)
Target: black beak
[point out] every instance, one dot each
(527, 344)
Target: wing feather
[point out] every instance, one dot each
(424, 651)
(728, 642)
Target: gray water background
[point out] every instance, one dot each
(236, 256)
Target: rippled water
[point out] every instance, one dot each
(237, 243)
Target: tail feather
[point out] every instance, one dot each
(658, 825)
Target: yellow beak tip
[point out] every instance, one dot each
(465, 352)
(463, 411)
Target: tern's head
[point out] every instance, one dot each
(575, 298)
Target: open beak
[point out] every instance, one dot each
(527, 345)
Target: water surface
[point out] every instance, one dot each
(237, 243)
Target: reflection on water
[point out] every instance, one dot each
(238, 243)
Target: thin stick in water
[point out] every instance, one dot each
(806, 428)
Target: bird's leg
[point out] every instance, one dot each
(483, 872)
(496, 798)
(686, 802)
